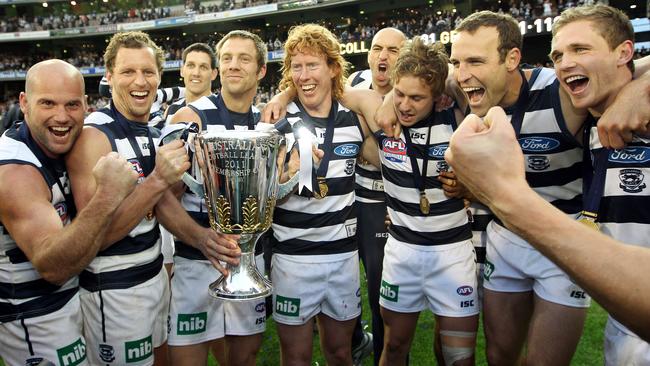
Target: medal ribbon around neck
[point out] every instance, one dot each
(320, 189)
(419, 177)
(593, 180)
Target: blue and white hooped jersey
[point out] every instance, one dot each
(172, 109)
(136, 258)
(210, 121)
(23, 292)
(552, 155)
(368, 183)
(624, 210)
(447, 220)
(304, 225)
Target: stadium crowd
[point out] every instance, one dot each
(415, 21)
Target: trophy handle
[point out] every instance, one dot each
(193, 185)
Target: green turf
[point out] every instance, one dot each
(590, 349)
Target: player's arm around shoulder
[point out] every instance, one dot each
(59, 252)
(364, 102)
(186, 114)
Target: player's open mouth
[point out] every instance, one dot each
(59, 131)
(475, 94)
(577, 83)
(308, 88)
(140, 95)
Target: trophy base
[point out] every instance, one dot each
(243, 283)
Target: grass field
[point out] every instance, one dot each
(590, 349)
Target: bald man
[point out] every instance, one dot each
(41, 250)
(369, 189)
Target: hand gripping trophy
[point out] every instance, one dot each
(240, 171)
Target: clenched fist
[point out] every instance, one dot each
(115, 175)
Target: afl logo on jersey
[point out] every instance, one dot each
(347, 150)
(135, 164)
(394, 150)
(438, 152)
(631, 180)
(538, 144)
(62, 209)
(637, 155)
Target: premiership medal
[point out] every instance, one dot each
(150, 215)
(589, 219)
(322, 189)
(424, 204)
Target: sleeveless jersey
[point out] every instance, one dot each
(23, 292)
(206, 107)
(303, 225)
(447, 220)
(135, 258)
(369, 187)
(173, 108)
(624, 211)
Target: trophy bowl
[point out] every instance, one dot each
(240, 171)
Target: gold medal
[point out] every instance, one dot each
(150, 215)
(589, 219)
(322, 188)
(424, 204)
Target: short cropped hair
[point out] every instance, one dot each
(611, 23)
(260, 46)
(507, 27)
(201, 47)
(133, 40)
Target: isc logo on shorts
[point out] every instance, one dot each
(191, 323)
(139, 350)
(287, 306)
(73, 354)
(389, 292)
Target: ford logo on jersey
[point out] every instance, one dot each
(464, 290)
(394, 150)
(538, 144)
(630, 155)
(438, 151)
(346, 150)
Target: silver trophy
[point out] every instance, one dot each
(240, 171)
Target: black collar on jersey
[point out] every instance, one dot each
(519, 108)
(594, 171)
(51, 168)
(329, 137)
(131, 129)
(419, 177)
(226, 119)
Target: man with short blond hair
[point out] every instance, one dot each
(593, 50)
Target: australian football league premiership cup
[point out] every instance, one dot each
(240, 171)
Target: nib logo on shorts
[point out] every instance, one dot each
(138, 350)
(389, 292)
(287, 306)
(488, 269)
(73, 354)
(191, 323)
